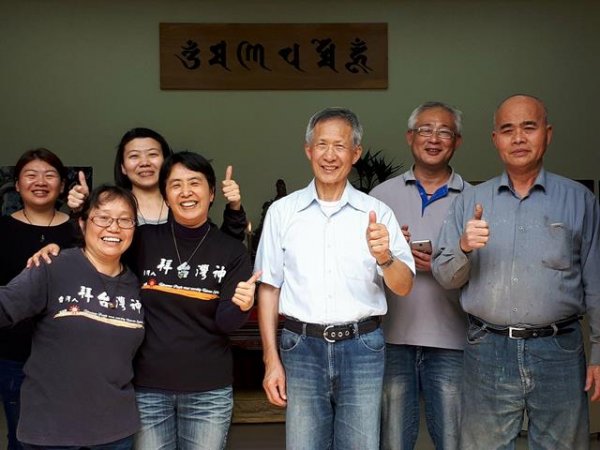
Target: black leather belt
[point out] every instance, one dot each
(559, 327)
(333, 333)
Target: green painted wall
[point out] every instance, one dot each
(75, 74)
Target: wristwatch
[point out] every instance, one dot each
(389, 262)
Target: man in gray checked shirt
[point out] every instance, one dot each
(524, 249)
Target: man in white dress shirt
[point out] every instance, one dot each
(326, 252)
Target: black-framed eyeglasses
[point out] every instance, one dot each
(442, 133)
(106, 221)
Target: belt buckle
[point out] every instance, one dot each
(511, 329)
(327, 328)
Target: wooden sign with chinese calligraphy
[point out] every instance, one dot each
(273, 56)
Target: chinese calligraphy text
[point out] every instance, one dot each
(273, 56)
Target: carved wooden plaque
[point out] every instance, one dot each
(273, 56)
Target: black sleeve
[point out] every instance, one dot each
(229, 315)
(234, 223)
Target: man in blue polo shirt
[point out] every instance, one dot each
(424, 332)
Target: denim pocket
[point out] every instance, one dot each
(476, 334)
(569, 342)
(373, 341)
(289, 340)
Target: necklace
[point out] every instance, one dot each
(184, 268)
(144, 221)
(42, 237)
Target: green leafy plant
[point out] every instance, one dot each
(372, 169)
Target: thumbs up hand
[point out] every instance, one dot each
(477, 232)
(244, 292)
(78, 193)
(231, 190)
(378, 239)
(478, 212)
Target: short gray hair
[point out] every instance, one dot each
(335, 113)
(456, 114)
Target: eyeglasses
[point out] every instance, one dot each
(338, 148)
(106, 221)
(443, 133)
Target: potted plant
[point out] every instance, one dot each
(372, 169)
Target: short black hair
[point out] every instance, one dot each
(106, 193)
(42, 154)
(192, 161)
(100, 195)
(135, 133)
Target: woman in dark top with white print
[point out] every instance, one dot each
(196, 288)
(78, 389)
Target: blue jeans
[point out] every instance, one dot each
(410, 372)
(11, 378)
(333, 391)
(196, 420)
(121, 444)
(505, 377)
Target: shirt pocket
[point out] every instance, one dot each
(557, 247)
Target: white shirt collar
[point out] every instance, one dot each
(350, 196)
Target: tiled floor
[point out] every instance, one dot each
(272, 437)
(256, 437)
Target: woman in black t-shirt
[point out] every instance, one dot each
(78, 390)
(39, 179)
(196, 288)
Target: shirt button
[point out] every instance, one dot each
(521, 228)
(515, 309)
(515, 280)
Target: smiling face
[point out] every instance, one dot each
(142, 158)
(521, 134)
(332, 153)
(39, 184)
(433, 152)
(189, 196)
(108, 243)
